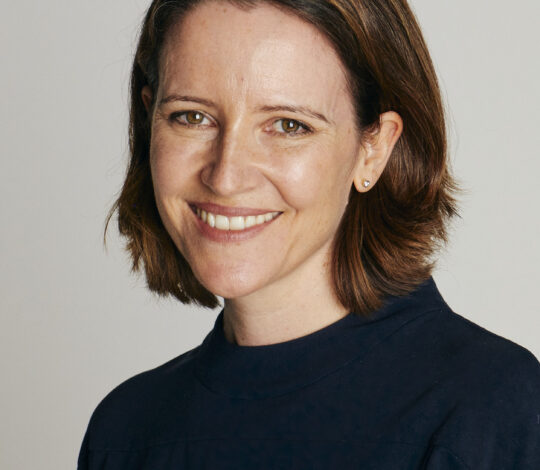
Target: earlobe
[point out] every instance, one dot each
(147, 96)
(376, 151)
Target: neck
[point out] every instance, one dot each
(291, 307)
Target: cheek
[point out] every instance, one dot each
(300, 183)
(161, 178)
(171, 165)
(318, 177)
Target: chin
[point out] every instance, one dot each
(230, 285)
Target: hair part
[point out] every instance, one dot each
(388, 236)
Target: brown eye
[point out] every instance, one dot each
(191, 118)
(194, 117)
(290, 126)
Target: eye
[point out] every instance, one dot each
(290, 127)
(190, 118)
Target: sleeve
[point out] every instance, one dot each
(82, 462)
(440, 458)
(498, 426)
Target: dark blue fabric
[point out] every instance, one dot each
(414, 386)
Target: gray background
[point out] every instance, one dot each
(75, 323)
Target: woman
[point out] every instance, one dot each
(290, 157)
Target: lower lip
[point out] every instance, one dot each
(226, 236)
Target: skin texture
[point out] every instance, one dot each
(218, 138)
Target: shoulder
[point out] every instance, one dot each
(482, 365)
(487, 356)
(494, 387)
(138, 404)
(448, 345)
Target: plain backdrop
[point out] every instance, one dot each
(75, 322)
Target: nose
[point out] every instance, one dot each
(231, 168)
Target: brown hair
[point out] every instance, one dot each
(388, 236)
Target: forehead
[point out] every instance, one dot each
(261, 50)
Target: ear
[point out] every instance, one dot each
(376, 151)
(147, 96)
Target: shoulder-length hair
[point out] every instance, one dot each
(388, 235)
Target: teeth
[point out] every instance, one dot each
(222, 222)
(250, 221)
(237, 223)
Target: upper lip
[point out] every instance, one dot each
(229, 211)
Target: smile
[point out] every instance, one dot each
(222, 222)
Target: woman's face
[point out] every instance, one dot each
(254, 147)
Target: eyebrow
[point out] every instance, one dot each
(296, 109)
(194, 99)
(268, 108)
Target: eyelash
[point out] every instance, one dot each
(306, 129)
(175, 117)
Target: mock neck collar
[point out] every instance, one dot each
(255, 372)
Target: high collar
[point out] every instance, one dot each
(255, 372)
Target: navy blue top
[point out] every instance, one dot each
(415, 386)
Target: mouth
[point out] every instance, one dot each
(220, 221)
